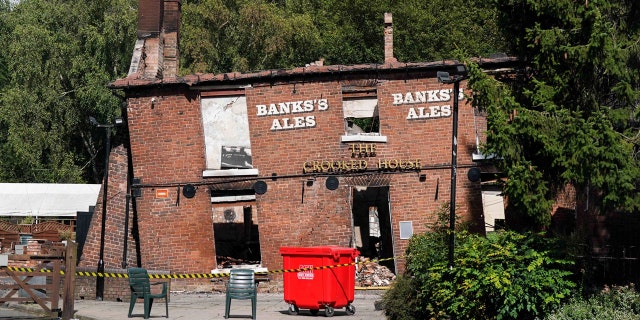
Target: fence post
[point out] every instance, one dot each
(69, 280)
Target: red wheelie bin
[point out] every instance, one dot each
(321, 278)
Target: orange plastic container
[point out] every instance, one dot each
(330, 287)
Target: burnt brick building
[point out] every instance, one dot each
(221, 169)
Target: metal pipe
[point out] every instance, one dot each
(99, 278)
(126, 230)
(454, 163)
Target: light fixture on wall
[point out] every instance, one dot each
(474, 174)
(332, 183)
(446, 78)
(189, 191)
(107, 150)
(136, 191)
(260, 187)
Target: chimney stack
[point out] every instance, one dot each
(171, 32)
(388, 38)
(149, 18)
(156, 52)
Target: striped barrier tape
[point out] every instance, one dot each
(196, 275)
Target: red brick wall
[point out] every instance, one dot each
(114, 224)
(324, 217)
(283, 219)
(167, 148)
(171, 26)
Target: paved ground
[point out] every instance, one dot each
(195, 306)
(11, 314)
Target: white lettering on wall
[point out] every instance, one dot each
(293, 123)
(323, 105)
(430, 112)
(293, 107)
(427, 96)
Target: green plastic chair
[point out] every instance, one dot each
(141, 289)
(241, 286)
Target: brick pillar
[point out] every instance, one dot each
(388, 38)
(149, 18)
(147, 57)
(171, 36)
(114, 224)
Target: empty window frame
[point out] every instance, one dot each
(361, 116)
(226, 133)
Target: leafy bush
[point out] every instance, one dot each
(400, 302)
(504, 275)
(619, 303)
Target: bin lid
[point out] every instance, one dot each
(330, 251)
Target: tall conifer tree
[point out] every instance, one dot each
(571, 115)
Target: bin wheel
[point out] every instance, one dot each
(329, 311)
(351, 309)
(314, 311)
(293, 309)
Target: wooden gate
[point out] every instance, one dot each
(47, 295)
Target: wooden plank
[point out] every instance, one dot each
(54, 290)
(69, 281)
(14, 289)
(26, 287)
(16, 299)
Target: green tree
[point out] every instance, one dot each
(223, 36)
(61, 55)
(243, 35)
(5, 7)
(570, 115)
(434, 30)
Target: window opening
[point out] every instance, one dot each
(361, 116)
(493, 208)
(226, 131)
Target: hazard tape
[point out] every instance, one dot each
(197, 275)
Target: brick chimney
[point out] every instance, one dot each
(156, 51)
(149, 18)
(171, 30)
(388, 38)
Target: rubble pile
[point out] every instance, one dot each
(227, 262)
(371, 274)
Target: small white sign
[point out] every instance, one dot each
(306, 274)
(406, 229)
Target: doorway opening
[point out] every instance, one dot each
(236, 236)
(373, 236)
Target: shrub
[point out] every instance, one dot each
(400, 302)
(504, 275)
(618, 303)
